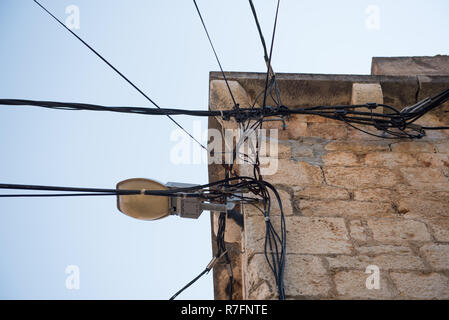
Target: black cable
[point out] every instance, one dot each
(346, 113)
(370, 133)
(205, 271)
(216, 55)
(221, 188)
(71, 106)
(271, 53)
(279, 255)
(244, 113)
(189, 191)
(266, 58)
(259, 29)
(56, 195)
(221, 252)
(93, 191)
(115, 69)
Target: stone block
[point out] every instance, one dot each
(341, 159)
(363, 93)
(352, 285)
(355, 178)
(305, 235)
(341, 208)
(433, 159)
(390, 159)
(437, 255)
(328, 131)
(374, 195)
(425, 178)
(413, 147)
(384, 249)
(322, 193)
(383, 261)
(295, 173)
(305, 276)
(421, 286)
(398, 230)
(422, 208)
(442, 147)
(358, 146)
(357, 231)
(402, 66)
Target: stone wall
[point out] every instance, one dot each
(351, 200)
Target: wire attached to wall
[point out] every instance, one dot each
(402, 120)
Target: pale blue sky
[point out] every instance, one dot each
(161, 46)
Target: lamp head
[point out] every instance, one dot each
(141, 206)
(150, 207)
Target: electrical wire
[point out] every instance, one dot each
(259, 29)
(205, 271)
(221, 253)
(401, 120)
(215, 53)
(270, 56)
(229, 187)
(116, 70)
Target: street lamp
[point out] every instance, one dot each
(150, 207)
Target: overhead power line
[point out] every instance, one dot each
(215, 53)
(116, 70)
(271, 54)
(401, 120)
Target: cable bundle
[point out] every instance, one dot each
(394, 124)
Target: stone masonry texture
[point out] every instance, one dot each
(351, 200)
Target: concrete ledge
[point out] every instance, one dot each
(438, 65)
(302, 90)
